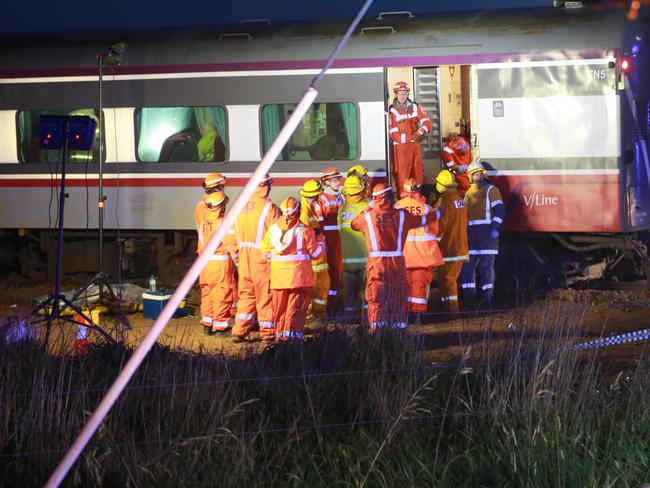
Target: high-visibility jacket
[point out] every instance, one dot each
(453, 227)
(309, 219)
(455, 153)
(406, 121)
(421, 249)
(290, 252)
(326, 208)
(353, 245)
(199, 211)
(486, 212)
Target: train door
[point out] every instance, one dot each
(446, 94)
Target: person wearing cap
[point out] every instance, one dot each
(421, 251)
(216, 280)
(456, 154)
(409, 124)
(362, 173)
(309, 193)
(385, 229)
(453, 239)
(486, 211)
(255, 301)
(326, 208)
(353, 246)
(291, 246)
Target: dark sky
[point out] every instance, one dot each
(66, 15)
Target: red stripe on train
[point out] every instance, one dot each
(138, 182)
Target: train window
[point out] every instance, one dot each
(29, 150)
(181, 134)
(328, 131)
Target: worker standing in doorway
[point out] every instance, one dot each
(385, 229)
(326, 208)
(486, 212)
(353, 245)
(255, 301)
(408, 125)
(453, 239)
(421, 251)
(310, 192)
(291, 247)
(216, 280)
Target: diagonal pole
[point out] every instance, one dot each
(195, 270)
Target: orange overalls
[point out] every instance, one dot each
(453, 244)
(404, 123)
(326, 208)
(319, 265)
(216, 279)
(421, 252)
(254, 273)
(385, 229)
(455, 153)
(291, 252)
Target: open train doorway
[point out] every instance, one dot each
(449, 96)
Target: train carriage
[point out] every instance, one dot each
(541, 92)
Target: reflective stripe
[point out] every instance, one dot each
(401, 325)
(320, 267)
(489, 286)
(206, 320)
(355, 260)
(394, 129)
(267, 324)
(479, 222)
(332, 293)
(371, 231)
(403, 138)
(318, 251)
(345, 226)
(422, 121)
(245, 316)
(290, 257)
(221, 324)
(290, 334)
(220, 257)
(448, 150)
(468, 285)
(319, 301)
(498, 219)
(235, 256)
(262, 223)
(421, 301)
(481, 252)
(426, 237)
(401, 228)
(320, 219)
(456, 258)
(251, 245)
(495, 203)
(377, 324)
(450, 164)
(330, 227)
(451, 298)
(386, 254)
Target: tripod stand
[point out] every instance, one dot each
(55, 133)
(101, 279)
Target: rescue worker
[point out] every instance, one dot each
(254, 301)
(290, 246)
(385, 229)
(362, 172)
(310, 192)
(456, 155)
(216, 280)
(353, 246)
(453, 239)
(421, 251)
(408, 125)
(485, 212)
(326, 208)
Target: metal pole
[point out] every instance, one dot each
(195, 270)
(100, 203)
(59, 248)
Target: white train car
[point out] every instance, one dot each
(541, 92)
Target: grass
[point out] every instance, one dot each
(339, 411)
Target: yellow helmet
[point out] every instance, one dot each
(475, 167)
(358, 170)
(311, 188)
(445, 180)
(352, 185)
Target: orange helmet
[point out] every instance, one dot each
(330, 174)
(401, 86)
(411, 185)
(381, 190)
(215, 200)
(266, 181)
(289, 206)
(213, 180)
